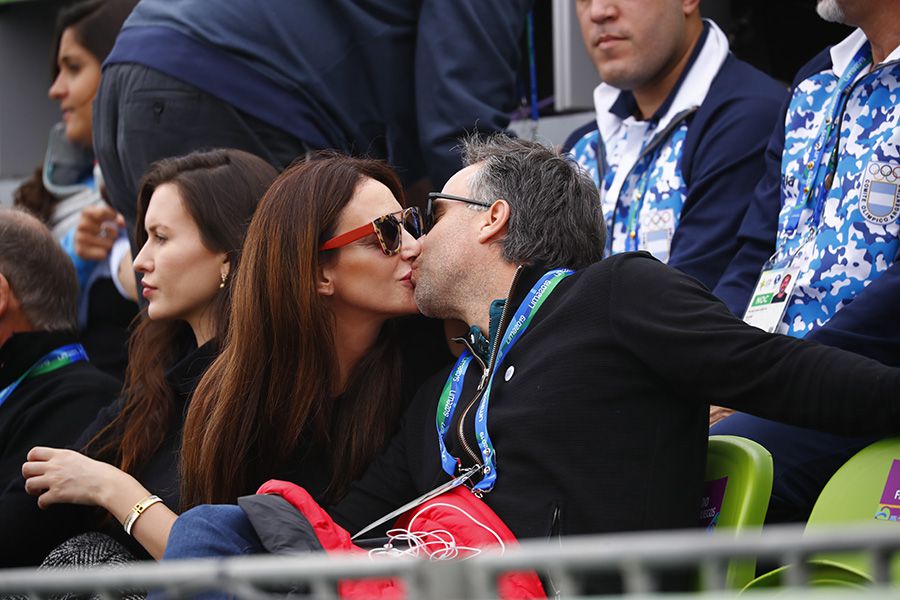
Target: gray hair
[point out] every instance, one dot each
(39, 272)
(831, 11)
(555, 216)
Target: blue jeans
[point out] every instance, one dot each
(803, 461)
(212, 530)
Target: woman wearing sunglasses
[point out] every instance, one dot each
(309, 384)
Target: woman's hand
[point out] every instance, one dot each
(59, 476)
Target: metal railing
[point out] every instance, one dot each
(639, 559)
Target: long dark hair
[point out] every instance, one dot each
(95, 23)
(220, 190)
(273, 380)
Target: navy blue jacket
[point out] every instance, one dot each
(721, 160)
(395, 79)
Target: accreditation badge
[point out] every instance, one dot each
(656, 231)
(879, 197)
(770, 298)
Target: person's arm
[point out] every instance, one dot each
(37, 531)
(467, 54)
(722, 172)
(759, 229)
(58, 418)
(870, 325)
(691, 341)
(60, 476)
(757, 233)
(122, 268)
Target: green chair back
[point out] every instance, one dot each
(739, 483)
(865, 490)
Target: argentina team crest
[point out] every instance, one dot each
(879, 200)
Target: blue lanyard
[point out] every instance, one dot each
(637, 203)
(827, 142)
(453, 388)
(66, 355)
(452, 391)
(532, 69)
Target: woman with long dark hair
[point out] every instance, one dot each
(193, 212)
(84, 34)
(66, 193)
(308, 384)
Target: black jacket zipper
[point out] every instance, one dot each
(485, 373)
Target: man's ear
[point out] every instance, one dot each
(690, 7)
(325, 282)
(495, 221)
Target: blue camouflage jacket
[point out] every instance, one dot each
(849, 281)
(678, 184)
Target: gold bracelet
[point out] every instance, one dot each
(138, 509)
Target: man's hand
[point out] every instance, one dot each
(97, 230)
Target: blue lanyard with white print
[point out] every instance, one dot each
(827, 141)
(57, 359)
(453, 388)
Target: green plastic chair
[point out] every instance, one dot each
(854, 494)
(742, 469)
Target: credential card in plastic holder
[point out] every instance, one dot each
(770, 298)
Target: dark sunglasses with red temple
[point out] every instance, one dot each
(387, 228)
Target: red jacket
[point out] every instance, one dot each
(470, 522)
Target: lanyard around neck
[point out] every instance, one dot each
(57, 359)
(637, 203)
(816, 181)
(647, 157)
(453, 387)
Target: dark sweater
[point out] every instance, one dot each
(603, 425)
(40, 531)
(49, 410)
